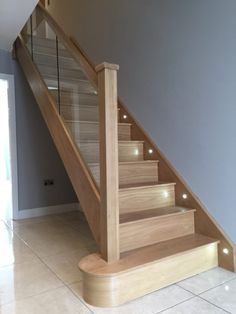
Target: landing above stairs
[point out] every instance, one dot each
(147, 269)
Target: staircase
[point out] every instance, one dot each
(151, 229)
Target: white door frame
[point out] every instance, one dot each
(12, 142)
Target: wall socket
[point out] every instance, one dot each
(48, 182)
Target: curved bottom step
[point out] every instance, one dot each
(145, 270)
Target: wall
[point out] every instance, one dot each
(36, 153)
(178, 77)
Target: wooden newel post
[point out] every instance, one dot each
(109, 175)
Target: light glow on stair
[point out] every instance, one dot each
(225, 251)
(166, 194)
(185, 196)
(150, 151)
(136, 152)
(125, 116)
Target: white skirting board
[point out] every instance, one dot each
(49, 210)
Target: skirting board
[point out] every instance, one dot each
(49, 210)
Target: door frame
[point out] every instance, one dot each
(12, 142)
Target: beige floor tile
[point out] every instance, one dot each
(15, 223)
(150, 304)
(194, 306)
(65, 265)
(13, 250)
(223, 296)
(207, 280)
(25, 279)
(50, 238)
(59, 301)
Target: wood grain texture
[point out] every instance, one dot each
(82, 112)
(109, 176)
(204, 222)
(89, 130)
(128, 151)
(144, 197)
(67, 149)
(145, 270)
(132, 172)
(156, 228)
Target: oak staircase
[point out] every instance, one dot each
(151, 229)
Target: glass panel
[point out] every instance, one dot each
(75, 96)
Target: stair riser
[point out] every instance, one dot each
(82, 131)
(133, 173)
(65, 74)
(119, 288)
(82, 113)
(86, 113)
(70, 97)
(127, 152)
(141, 233)
(133, 200)
(83, 87)
(49, 60)
(48, 50)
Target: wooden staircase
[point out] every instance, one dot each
(151, 229)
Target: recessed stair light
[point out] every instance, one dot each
(185, 196)
(150, 151)
(226, 251)
(124, 116)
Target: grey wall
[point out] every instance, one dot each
(178, 77)
(37, 155)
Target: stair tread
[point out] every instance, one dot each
(132, 259)
(144, 185)
(151, 213)
(92, 122)
(97, 142)
(94, 164)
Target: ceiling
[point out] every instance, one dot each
(13, 15)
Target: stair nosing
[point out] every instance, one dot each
(93, 122)
(94, 164)
(146, 185)
(187, 210)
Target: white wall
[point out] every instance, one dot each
(13, 16)
(178, 77)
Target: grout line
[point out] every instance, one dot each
(42, 261)
(218, 285)
(214, 304)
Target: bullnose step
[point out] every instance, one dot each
(145, 270)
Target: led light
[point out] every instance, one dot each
(125, 116)
(226, 288)
(95, 92)
(185, 196)
(52, 88)
(136, 152)
(150, 151)
(166, 194)
(225, 251)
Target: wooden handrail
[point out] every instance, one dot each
(77, 170)
(77, 56)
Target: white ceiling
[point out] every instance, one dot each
(13, 15)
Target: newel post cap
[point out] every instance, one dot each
(106, 65)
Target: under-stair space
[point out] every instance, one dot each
(162, 232)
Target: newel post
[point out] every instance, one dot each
(109, 175)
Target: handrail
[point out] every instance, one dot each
(88, 193)
(79, 58)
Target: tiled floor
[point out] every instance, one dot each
(39, 274)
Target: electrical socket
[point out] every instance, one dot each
(48, 182)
